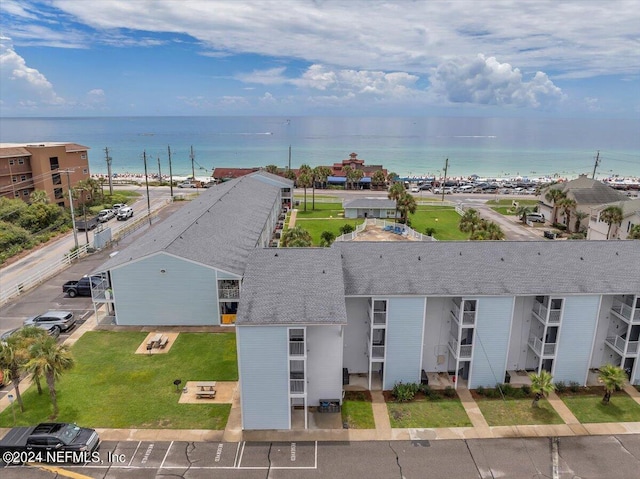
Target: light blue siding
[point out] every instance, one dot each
(405, 319)
(577, 327)
(491, 341)
(184, 294)
(263, 369)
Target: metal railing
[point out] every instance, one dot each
(229, 293)
(377, 352)
(296, 386)
(460, 351)
(546, 315)
(43, 275)
(620, 344)
(379, 317)
(626, 311)
(296, 348)
(540, 348)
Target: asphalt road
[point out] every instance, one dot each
(598, 457)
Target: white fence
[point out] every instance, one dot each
(389, 226)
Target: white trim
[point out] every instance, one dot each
(593, 341)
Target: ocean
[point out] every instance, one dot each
(489, 147)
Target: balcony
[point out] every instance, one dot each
(229, 293)
(296, 348)
(296, 386)
(468, 317)
(380, 317)
(540, 348)
(377, 352)
(625, 311)
(462, 351)
(620, 345)
(544, 315)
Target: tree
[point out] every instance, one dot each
(522, 211)
(378, 178)
(493, 231)
(406, 204)
(346, 229)
(567, 205)
(541, 386)
(355, 176)
(327, 238)
(322, 173)
(29, 335)
(580, 215)
(554, 195)
(391, 177)
(347, 174)
(273, 169)
(470, 221)
(395, 193)
(296, 237)
(634, 233)
(13, 358)
(39, 196)
(52, 359)
(305, 180)
(290, 175)
(612, 378)
(611, 215)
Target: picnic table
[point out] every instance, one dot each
(206, 390)
(154, 342)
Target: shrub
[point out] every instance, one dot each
(430, 231)
(449, 392)
(507, 389)
(526, 390)
(561, 386)
(425, 389)
(481, 391)
(404, 392)
(574, 386)
(346, 229)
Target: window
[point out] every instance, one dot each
(57, 180)
(21, 161)
(83, 156)
(57, 193)
(23, 177)
(53, 162)
(11, 162)
(25, 192)
(14, 179)
(85, 171)
(16, 194)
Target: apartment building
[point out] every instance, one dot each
(51, 167)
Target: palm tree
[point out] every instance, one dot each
(391, 177)
(469, 222)
(406, 204)
(554, 195)
(611, 215)
(52, 359)
(347, 174)
(493, 230)
(395, 193)
(567, 205)
(13, 358)
(29, 335)
(580, 215)
(356, 176)
(378, 178)
(634, 233)
(290, 175)
(613, 378)
(541, 385)
(323, 172)
(522, 211)
(305, 180)
(296, 237)
(327, 238)
(39, 196)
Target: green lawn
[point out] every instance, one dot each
(112, 387)
(443, 218)
(589, 408)
(505, 206)
(358, 414)
(315, 227)
(511, 412)
(426, 413)
(322, 210)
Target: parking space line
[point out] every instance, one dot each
(235, 460)
(165, 455)
(134, 453)
(240, 458)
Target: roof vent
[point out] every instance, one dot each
(501, 259)
(323, 272)
(581, 258)
(276, 254)
(380, 256)
(460, 253)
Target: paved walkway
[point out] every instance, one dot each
(292, 218)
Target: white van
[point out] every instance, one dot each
(535, 217)
(465, 189)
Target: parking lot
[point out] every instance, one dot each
(571, 457)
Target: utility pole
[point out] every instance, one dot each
(193, 170)
(289, 156)
(108, 158)
(170, 172)
(73, 216)
(444, 180)
(146, 180)
(596, 164)
(159, 172)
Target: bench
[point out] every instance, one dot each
(163, 342)
(206, 395)
(154, 342)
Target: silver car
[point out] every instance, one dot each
(55, 320)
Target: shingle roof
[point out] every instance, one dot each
(371, 203)
(293, 286)
(628, 208)
(273, 179)
(220, 228)
(588, 192)
(468, 268)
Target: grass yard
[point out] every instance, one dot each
(511, 412)
(426, 413)
(589, 408)
(315, 227)
(358, 414)
(505, 206)
(443, 218)
(112, 387)
(322, 210)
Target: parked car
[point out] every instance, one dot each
(87, 225)
(60, 320)
(51, 331)
(187, 184)
(535, 217)
(117, 207)
(465, 189)
(415, 189)
(81, 287)
(49, 442)
(208, 184)
(106, 215)
(125, 213)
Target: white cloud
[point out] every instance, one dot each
(486, 81)
(272, 76)
(22, 84)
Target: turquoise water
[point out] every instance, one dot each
(408, 146)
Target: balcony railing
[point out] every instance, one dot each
(296, 348)
(545, 315)
(229, 293)
(618, 343)
(540, 348)
(627, 312)
(460, 351)
(377, 352)
(379, 317)
(296, 386)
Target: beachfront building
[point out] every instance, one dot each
(51, 167)
(599, 230)
(188, 269)
(587, 193)
(370, 208)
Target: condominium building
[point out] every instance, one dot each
(51, 167)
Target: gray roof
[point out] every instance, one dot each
(629, 208)
(293, 286)
(220, 228)
(264, 175)
(587, 191)
(446, 268)
(371, 203)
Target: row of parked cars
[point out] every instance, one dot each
(120, 211)
(477, 188)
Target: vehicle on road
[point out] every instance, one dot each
(52, 331)
(87, 225)
(60, 320)
(208, 184)
(187, 184)
(535, 217)
(415, 189)
(125, 213)
(106, 215)
(49, 442)
(81, 287)
(117, 207)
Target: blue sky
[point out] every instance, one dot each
(574, 58)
